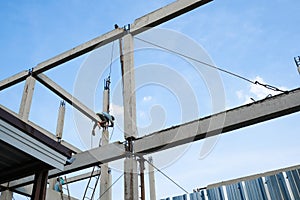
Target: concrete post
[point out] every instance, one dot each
(52, 182)
(27, 98)
(109, 184)
(130, 129)
(24, 114)
(105, 180)
(151, 180)
(59, 132)
(60, 121)
(130, 179)
(6, 195)
(142, 178)
(129, 98)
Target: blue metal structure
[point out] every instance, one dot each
(255, 189)
(277, 187)
(198, 195)
(216, 193)
(235, 191)
(294, 181)
(284, 185)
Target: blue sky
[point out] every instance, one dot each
(255, 39)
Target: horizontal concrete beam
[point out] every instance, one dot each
(152, 19)
(17, 78)
(64, 57)
(79, 50)
(51, 85)
(164, 14)
(96, 156)
(223, 122)
(141, 24)
(235, 118)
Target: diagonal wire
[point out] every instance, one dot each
(111, 186)
(196, 60)
(112, 132)
(167, 177)
(213, 66)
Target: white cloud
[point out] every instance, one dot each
(257, 92)
(147, 98)
(240, 94)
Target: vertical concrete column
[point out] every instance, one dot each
(109, 183)
(52, 182)
(6, 195)
(129, 97)
(27, 98)
(24, 114)
(131, 191)
(142, 177)
(130, 129)
(60, 121)
(152, 180)
(59, 132)
(105, 179)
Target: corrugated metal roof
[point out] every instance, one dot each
(24, 150)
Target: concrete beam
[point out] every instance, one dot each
(240, 117)
(78, 50)
(141, 24)
(51, 85)
(236, 118)
(152, 19)
(96, 156)
(164, 14)
(17, 78)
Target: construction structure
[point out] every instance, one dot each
(279, 184)
(60, 158)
